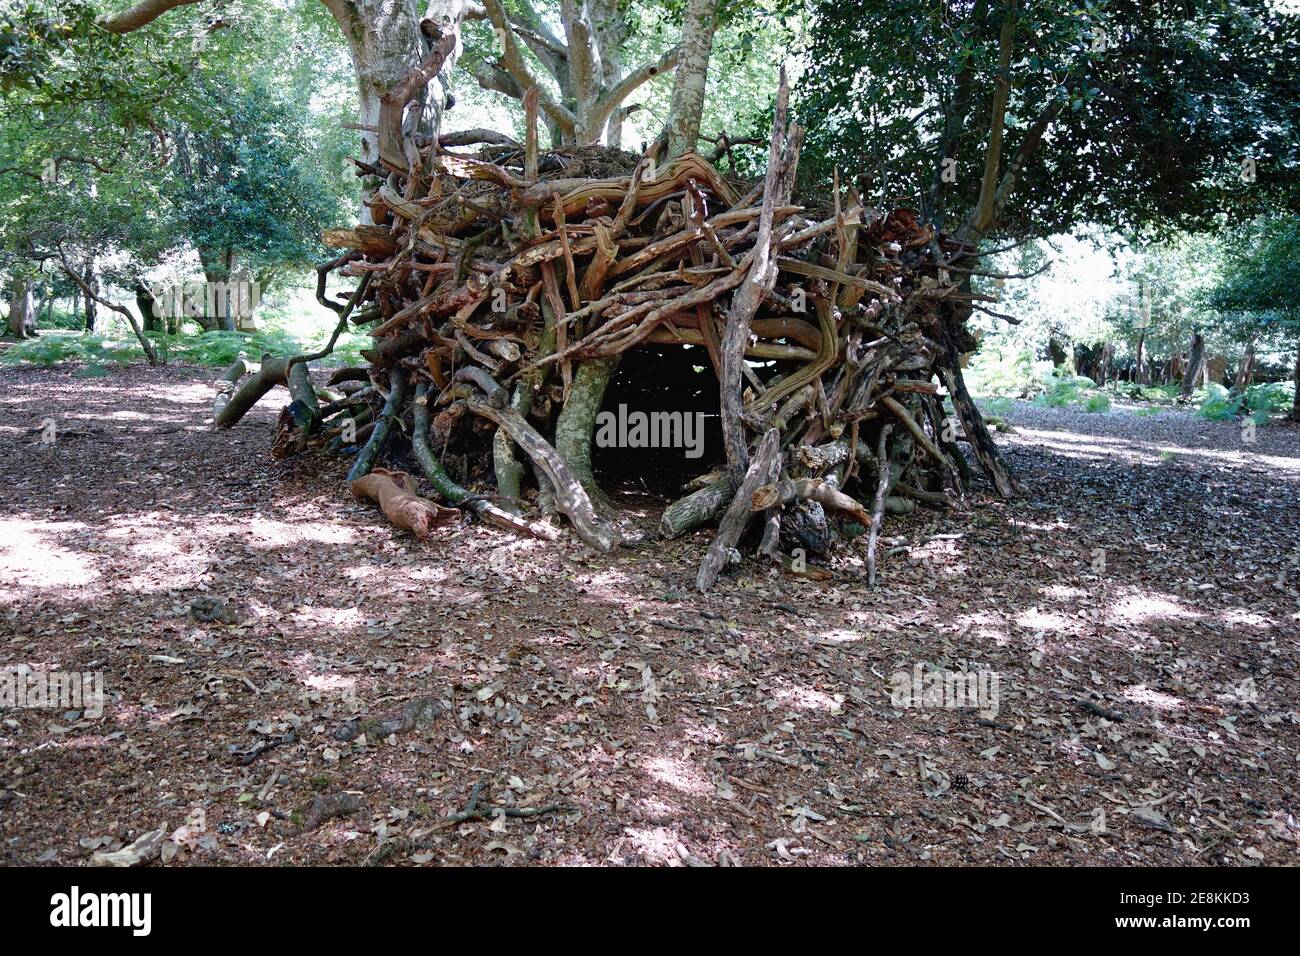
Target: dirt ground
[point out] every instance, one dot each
(289, 680)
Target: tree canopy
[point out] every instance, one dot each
(1128, 114)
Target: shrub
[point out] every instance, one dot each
(1002, 371)
(1062, 389)
(1270, 397)
(1218, 404)
(1000, 406)
(52, 347)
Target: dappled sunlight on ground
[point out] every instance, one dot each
(750, 725)
(1151, 453)
(1141, 694)
(31, 558)
(1145, 607)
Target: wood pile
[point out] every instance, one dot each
(502, 288)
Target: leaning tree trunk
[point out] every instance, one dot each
(1195, 371)
(687, 107)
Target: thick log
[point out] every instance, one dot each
(393, 492)
(270, 373)
(783, 492)
(225, 385)
(698, 508)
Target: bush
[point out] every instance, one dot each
(52, 347)
(1218, 404)
(1097, 403)
(207, 348)
(1271, 397)
(998, 371)
(1061, 390)
(1000, 406)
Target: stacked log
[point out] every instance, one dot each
(501, 286)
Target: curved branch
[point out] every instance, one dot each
(533, 32)
(513, 63)
(149, 352)
(138, 15)
(626, 86)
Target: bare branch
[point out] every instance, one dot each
(512, 62)
(544, 44)
(626, 86)
(149, 351)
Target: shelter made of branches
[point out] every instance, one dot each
(504, 287)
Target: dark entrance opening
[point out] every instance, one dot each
(659, 425)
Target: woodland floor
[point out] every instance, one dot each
(748, 726)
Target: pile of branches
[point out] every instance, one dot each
(502, 287)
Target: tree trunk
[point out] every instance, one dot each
(92, 281)
(1139, 373)
(43, 310)
(1194, 374)
(609, 27)
(692, 74)
(22, 320)
(385, 41)
(577, 422)
(150, 321)
(1295, 402)
(1247, 368)
(217, 269)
